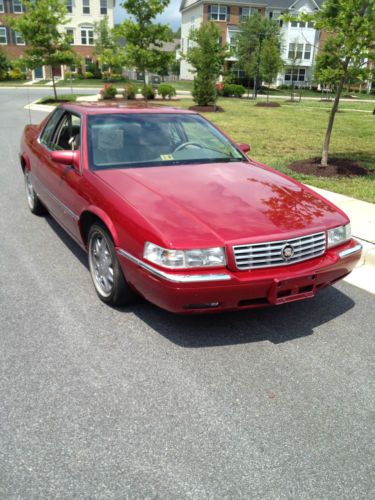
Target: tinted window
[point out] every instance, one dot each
(142, 140)
(47, 133)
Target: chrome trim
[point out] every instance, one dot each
(268, 254)
(64, 207)
(349, 251)
(175, 278)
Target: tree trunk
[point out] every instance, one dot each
(268, 95)
(324, 161)
(144, 85)
(54, 84)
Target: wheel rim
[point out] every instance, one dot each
(30, 193)
(101, 265)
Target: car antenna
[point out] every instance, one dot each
(28, 104)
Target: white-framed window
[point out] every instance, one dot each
(192, 22)
(245, 12)
(17, 7)
(3, 35)
(87, 35)
(295, 51)
(103, 7)
(295, 74)
(19, 38)
(69, 5)
(307, 53)
(88, 62)
(302, 24)
(86, 6)
(2, 8)
(218, 13)
(70, 33)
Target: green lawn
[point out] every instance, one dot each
(279, 136)
(60, 98)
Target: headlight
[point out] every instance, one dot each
(177, 259)
(338, 235)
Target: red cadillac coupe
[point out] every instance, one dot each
(169, 207)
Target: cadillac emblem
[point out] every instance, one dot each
(287, 252)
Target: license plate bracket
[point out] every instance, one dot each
(292, 289)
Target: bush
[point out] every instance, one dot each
(108, 91)
(88, 75)
(16, 74)
(115, 77)
(166, 90)
(231, 89)
(148, 92)
(284, 86)
(130, 91)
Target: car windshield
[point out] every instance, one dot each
(145, 140)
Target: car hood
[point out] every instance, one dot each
(222, 202)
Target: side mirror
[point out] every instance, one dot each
(245, 148)
(70, 158)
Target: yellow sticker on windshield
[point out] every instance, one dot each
(166, 157)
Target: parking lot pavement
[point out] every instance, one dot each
(138, 403)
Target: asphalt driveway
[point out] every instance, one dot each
(138, 403)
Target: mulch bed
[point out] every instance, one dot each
(268, 104)
(337, 167)
(207, 109)
(54, 101)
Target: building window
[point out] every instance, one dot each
(87, 36)
(295, 51)
(310, 24)
(70, 33)
(17, 7)
(307, 54)
(245, 12)
(19, 38)
(233, 40)
(3, 36)
(69, 5)
(295, 75)
(2, 9)
(218, 13)
(86, 6)
(103, 7)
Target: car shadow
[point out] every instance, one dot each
(274, 324)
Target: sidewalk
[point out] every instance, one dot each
(362, 218)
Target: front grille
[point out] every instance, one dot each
(259, 255)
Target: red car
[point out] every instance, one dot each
(169, 207)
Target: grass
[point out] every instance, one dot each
(60, 98)
(279, 136)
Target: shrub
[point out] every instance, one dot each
(114, 77)
(166, 90)
(88, 75)
(130, 91)
(16, 74)
(231, 89)
(148, 92)
(284, 86)
(108, 91)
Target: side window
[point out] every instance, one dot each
(49, 129)
(68, 133)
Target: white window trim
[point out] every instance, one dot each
(15, 36)
(100, 8)
(6, 35)
(2, 7)
(73, 34)
(22, 8)
(219, 8)
(72, 4)
(83, 7)
(87, 29)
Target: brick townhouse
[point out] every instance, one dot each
(82, 15)
(298, 39)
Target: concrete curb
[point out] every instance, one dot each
(34, 106)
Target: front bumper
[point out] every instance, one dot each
(224, 290)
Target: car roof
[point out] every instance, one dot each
(100, 108)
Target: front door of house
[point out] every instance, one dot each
(38, 72)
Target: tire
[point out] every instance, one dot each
(109, 281)
(35, 205)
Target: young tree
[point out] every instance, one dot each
(294, 60)
(352, 23)
(206, 56)
(107, 49)
(39, 27)
(255, 30)
(4, 65)
(143, 37)
(271, 62)
(163, 63)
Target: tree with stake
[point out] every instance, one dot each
(39, 27)
(352, 23)
(207, 59)
(271, 62)
(143, 37)
(107, 50)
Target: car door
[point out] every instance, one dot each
(59, 182)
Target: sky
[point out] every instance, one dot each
(171, 15)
